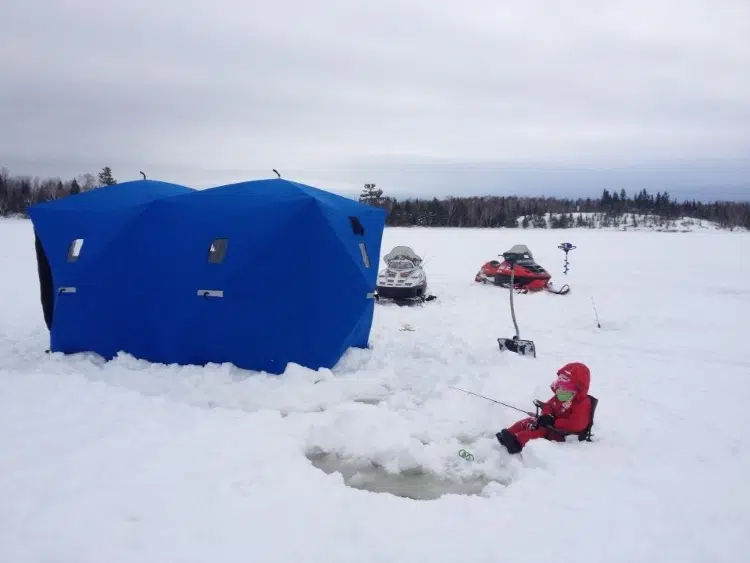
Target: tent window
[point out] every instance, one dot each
(365, 256)
(217, 251)
(74, 250)
(356, 226)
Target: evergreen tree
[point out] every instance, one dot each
(370, 195)
(106, 178)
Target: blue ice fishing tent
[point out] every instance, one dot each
(258, 274)
(63, 227)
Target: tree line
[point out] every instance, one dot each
(611, 209)
(17, 193)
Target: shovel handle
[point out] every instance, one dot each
(512, 309)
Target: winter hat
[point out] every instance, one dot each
(573, 377)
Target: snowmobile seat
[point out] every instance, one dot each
(585, 436)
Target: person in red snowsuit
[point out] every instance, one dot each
(568, 412)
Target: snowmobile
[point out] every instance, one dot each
(403, 280)
(528, 275)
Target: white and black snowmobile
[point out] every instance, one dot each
(403, 280)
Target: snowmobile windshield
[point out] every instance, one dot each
(400, 265)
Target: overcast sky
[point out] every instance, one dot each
(422, 97)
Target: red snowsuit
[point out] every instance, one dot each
(569, 419)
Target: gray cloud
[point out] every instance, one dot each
(417, 96)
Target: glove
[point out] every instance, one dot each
(545, 421)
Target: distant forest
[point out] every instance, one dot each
(611, 209)
(17, 193)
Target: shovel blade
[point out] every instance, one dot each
(520, 347)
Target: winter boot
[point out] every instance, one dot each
(509, 440)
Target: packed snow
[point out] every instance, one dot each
(128, 461)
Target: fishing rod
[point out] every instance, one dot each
(596, 313)
(531, 414)
(495, 401)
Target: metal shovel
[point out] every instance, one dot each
(515, 344)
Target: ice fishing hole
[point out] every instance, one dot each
(414, 484)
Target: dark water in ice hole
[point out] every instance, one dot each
(415, 484)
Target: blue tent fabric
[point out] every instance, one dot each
(116, 196)
(95, 218)
(103, 211)
(292, 279)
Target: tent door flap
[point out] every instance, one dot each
(210, 293)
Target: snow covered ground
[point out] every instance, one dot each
(128, 461)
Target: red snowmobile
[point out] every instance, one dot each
(526, 274)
